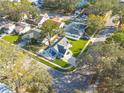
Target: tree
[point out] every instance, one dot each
(21, 73)
(117, 37)
(17, 11)
(66, 5)
(102, 6)
(107, 61)
(95, 22)
(49, 28)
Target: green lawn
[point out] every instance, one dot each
(11, 38)
(61, 63)
(51, 65)
(77, 46)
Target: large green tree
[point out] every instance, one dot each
(65, 5)
(106, 60)
(17, 10)
(102, 6)
(49, 28)
(117, 37)
(95, 22)
(22, 74)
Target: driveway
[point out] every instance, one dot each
(103, 34)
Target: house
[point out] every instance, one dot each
(3, 22)
(9, 28)
(33, 34)
(22, 27)
(39, 21)
(7, 25)
(43, 18)
(75, 30)
(59, 50)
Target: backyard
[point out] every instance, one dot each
(77, 46)
(11, 38)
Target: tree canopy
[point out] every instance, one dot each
(22, 74)
(106, 59)
(18, 10)
(65, 5)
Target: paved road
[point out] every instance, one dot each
(67, 83)
(103, 35)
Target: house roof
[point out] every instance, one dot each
(37, 21)
(75, 28)
(34, 33)
(9, 25)
(4, 21)
(60, 46)
(20, 26)
(61, 49)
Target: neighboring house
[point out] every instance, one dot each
(5, 89)
(9, 28)
(22, 28)
(33, 34)
(75, 30)
(3, 22)
(43, 18)
(39, 21)
(59, 50)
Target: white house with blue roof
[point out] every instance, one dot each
(59, 50)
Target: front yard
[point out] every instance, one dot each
(61, 63)
(11, 38)
(77, 46)
(53, 66)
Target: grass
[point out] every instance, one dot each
(61, 63)
(11, 38)
(51, 65)
(77, 46)
(45, 62)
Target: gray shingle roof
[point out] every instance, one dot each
(75, 28)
